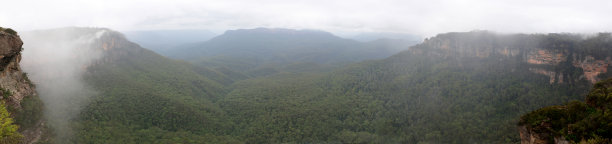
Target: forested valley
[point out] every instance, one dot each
(460, 87)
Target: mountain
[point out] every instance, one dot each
(162, 41)
(255, 49)
(20, 107)
(102, 88)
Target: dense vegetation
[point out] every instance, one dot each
(422, 95)
(8, 30)
(146, 98)
(577, 121)
(404, 99)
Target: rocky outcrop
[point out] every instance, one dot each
(592, 67)
(15, 85)
(13, 81)
(532, 137)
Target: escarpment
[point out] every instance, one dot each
(563, 58)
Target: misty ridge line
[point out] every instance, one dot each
(56, 61)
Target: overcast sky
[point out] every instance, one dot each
(423, 17)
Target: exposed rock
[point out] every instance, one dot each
(12, 78)
(548, 55)
(14, 81)
(592, 67)
(530, 137)
(542, 56)
(10, 45)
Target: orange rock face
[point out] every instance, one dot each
(592, 67)
(546, 57)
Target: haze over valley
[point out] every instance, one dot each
(305, 72)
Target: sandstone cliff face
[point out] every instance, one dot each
(12, 79)
(592, 67)
(541, 54)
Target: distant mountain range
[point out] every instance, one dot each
(249, 49)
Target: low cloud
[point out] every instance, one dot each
(425, 17)
(55, 61)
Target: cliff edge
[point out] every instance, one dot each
(13, 81)
(17, 92)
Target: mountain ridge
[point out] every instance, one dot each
(541, 51)
(247, 50)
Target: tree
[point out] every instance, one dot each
(8, 130)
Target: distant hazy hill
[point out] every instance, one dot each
(247, 49)
(162, 41)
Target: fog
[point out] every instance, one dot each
(55, 61)
(342, 17)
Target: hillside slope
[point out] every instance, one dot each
(453, 88)
(114, 91)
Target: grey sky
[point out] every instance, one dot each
(424, 17)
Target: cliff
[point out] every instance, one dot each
(563, 58)
(12, 79)
(17, 89)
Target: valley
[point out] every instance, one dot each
(458, 87)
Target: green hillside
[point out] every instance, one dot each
(575, 121)
(453, 88)
(425, 95)
(146, 98)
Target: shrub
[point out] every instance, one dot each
(11, 31)
(8, 130)
(5, 93)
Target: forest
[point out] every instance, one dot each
(421, 95)
(305, 72)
